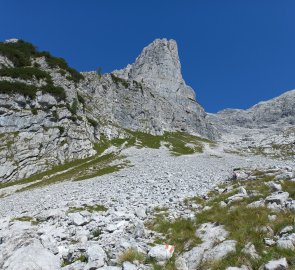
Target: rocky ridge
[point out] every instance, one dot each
(42, 129)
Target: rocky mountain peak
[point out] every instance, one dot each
(158, 66)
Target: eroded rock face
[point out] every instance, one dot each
(38, 133)
(279, 110)
(159, 68)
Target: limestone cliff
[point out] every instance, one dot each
(51, 114)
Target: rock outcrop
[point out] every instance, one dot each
(50, 114)
(276, 111)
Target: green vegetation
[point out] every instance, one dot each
(119, 81)
(34, 111)
(99, 164)
(89, 208)
(179, 232)
(21, 54)
(30, 90)
(25, 73)
(96, 232)
(92, 122)
(82, 258)
(282, 151)
(290, 187)
(57, 62)
(99, 72)
(33, 221)
(17, 87)
(131, 255)
(81, 99)
(195, 199)
(56, 91)
(138, 85)
(74, 107)
(76, 171)
(179, 143)
(244, 224)
(61, 129)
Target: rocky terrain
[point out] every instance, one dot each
(127, 171)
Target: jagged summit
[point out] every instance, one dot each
(158, 66)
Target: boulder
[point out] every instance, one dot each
(287, 242)
(161, 252)
(280, 264)
(33, 256)
(278, 197)
(250, 250)
(78, 220)
(220, 251)
(96, 255)
(129, 266)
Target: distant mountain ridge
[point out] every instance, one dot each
(279, 110)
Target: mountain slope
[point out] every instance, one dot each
(51, 114)
(279, 110)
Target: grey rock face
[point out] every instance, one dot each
(174, 106)
(279, 110)
(150, 97)
(159, 68)
(33, 256)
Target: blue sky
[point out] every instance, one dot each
(234, 53)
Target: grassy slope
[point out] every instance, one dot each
(99, 165)
(241, 222)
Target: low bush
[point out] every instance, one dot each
(21, 52)
(18, 53)
(56, 91)
(92, 122)
(34, 111)
(25, 73)
(17, 87)
(131, 255)
(118, 81)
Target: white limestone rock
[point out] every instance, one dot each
(278, 197)
(280, 264)
(33, 256)
(161, 253)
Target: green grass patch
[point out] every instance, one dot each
(179, 143)
(83, 169)
(290, 187)
(33, 221)
(195, 199)
(179, 232)
(244, 224)
(89, 208)
(76, 170)
(130, 255)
